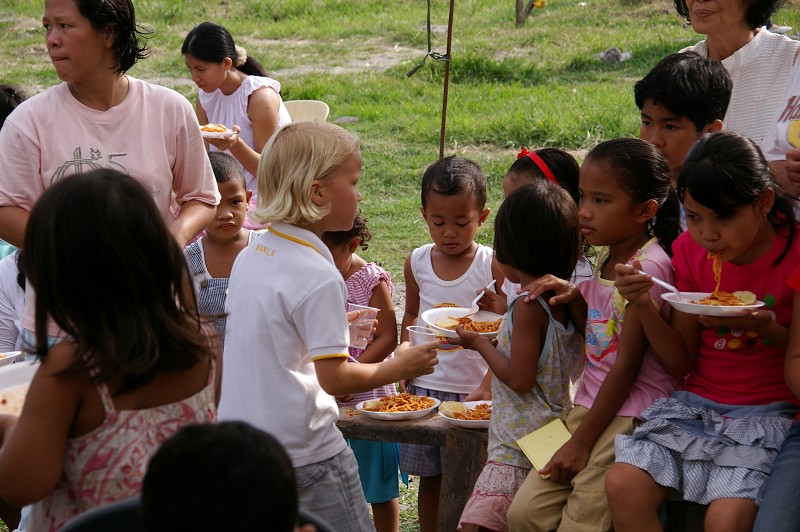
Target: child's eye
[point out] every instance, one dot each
(463, 224)
(646, 123)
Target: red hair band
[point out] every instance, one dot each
(540, 163)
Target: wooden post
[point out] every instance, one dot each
(464, 458)
(443, 129)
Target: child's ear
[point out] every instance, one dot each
(484, 215)
(422, 211)
(648, 210)
(713, 127)
(248, 196)
(316, 195)
(353, 245)
(766, 201)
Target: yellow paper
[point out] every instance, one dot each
(541, 444)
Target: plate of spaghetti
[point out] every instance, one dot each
(708, 304)
(469, 415)
(398, 407)
(444, 320)
(716, 303)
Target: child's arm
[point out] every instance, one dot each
(411, 313)
(519, 371)
(32, 455)
(793, 351)
(384, 339)
(338, 377)
(674, 343)
(573, 456)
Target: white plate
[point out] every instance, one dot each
(469, 423)
(18, 373)
(705, 310)
(9, 357)
(397, 416)
(216, 135)
(431, 316)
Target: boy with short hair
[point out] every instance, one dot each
(447, 273)
(681, 99)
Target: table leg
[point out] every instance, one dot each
(464, 458)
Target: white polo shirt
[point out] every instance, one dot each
(285, 310)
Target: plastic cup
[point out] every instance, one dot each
(417, 334)
(361, 327)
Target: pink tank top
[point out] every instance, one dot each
(109, 463)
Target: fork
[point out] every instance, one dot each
(664, 284)
(473, 308)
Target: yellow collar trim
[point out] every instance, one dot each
(293, 239)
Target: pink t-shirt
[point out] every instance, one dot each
(604, 320)
(735, 366)
(153, 135)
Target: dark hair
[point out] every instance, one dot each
(563, 165)
(225, 476)
(226, 168)
(119, 17)
(644, 173)
(724, 171)
(538, 216)
(756, 16)
(10, 98)
(687, 84)
(20, 260)
(211, 42)
(343, 238)
(121, 291)
(454, 175)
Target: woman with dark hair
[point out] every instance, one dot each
(758, 61)
(236, 92)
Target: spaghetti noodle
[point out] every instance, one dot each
(479, 413)
(718, 297)
(404, 402)
(469, 325)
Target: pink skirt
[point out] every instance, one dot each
(494, 490)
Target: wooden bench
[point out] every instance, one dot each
(464, 453)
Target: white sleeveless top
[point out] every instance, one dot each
(455, 372)
(231, 109)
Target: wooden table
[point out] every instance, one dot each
(464, 453)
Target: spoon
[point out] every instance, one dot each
(664, 284)
(473, 308)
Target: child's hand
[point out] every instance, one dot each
(564, 290)
(754, 321)
(345, 398)
(417, 360)
(793, 170)
(468, 339)
(492, 302)
(568, 461)
(479, 394)
(632, 285)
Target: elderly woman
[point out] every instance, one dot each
(758, 61)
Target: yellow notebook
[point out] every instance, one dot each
(541, 444)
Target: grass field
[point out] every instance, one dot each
(535, 86)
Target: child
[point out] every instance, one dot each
(448, 272)
(211, 257)
(12, 300)
(287, 336)
(234, 91)
(628, 205)
(538, 350)
(780, 493)
(681, 99)
(556, 166)
(370, 285)
(246, 482)
(728, 421)
(137, 364)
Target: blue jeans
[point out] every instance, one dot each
(331, 491)
(778, 511)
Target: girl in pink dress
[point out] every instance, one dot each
(369, 284)
(135, 363)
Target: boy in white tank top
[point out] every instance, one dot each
(448, 272)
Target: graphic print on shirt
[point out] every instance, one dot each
(93, 162)
(742, 340)
(602, 335)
